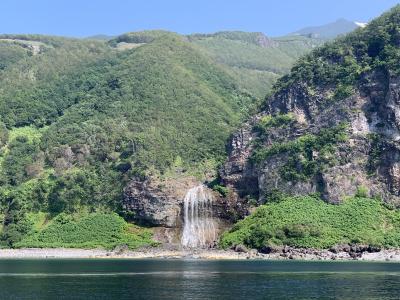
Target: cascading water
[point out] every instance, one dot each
(199, 229)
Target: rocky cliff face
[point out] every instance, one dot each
(264, 41)
(159, 203)
(332, 126)
(368, 160)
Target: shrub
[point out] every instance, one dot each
(310, 222)
(302, 162)
(275, 195)
(343, 91)
(362, 192)
(222, 190)
(280, 120)
(3, 134)
(90, 231)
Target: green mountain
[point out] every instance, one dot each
(329, 132)
(79, 119)
(254, 59)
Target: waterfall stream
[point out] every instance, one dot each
(199, 229)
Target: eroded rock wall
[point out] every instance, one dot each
(160, 203)
(368, 159)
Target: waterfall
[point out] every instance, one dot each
(199, 229)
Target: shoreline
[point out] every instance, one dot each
(200, 254)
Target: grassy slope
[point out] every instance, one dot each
(256, 68)
(311, 223)
(169, 100)
(96, 230)
(166, 91)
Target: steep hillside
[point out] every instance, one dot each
(256, 60)
(330, 131)
(332, 125)
(35, 82)
(80, 118)
(93, 126)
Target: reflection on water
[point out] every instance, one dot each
(191, 279)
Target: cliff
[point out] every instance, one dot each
(330, 127)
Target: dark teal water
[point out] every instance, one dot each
(193, 279)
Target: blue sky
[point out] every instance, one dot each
(84, 18)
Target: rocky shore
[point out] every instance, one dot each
(284, 253)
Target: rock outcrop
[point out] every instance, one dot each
(159, 203)
(369, 158)
(329, 128)
(264, 41)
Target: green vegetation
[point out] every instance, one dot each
(268, 122)
(297, 45)
(36, 87)
(331, 73)
(341, 63)
(307, 155)
(96, 230)
(222, 190)
(254, 38)
(10, 54)
(247, 50)
(362, 192)
(238, 53)
(312, 223)
(162, 94)
(376, 149)
(141, 37)
(256, 82)
(79, 119)
(253, 59)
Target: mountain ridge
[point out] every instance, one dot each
(338, 93)
(330, 30)
(328, 134)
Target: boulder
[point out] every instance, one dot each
(271, 249)
(241, 248)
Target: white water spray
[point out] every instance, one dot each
(199, 229)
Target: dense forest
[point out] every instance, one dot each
(81, 117)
